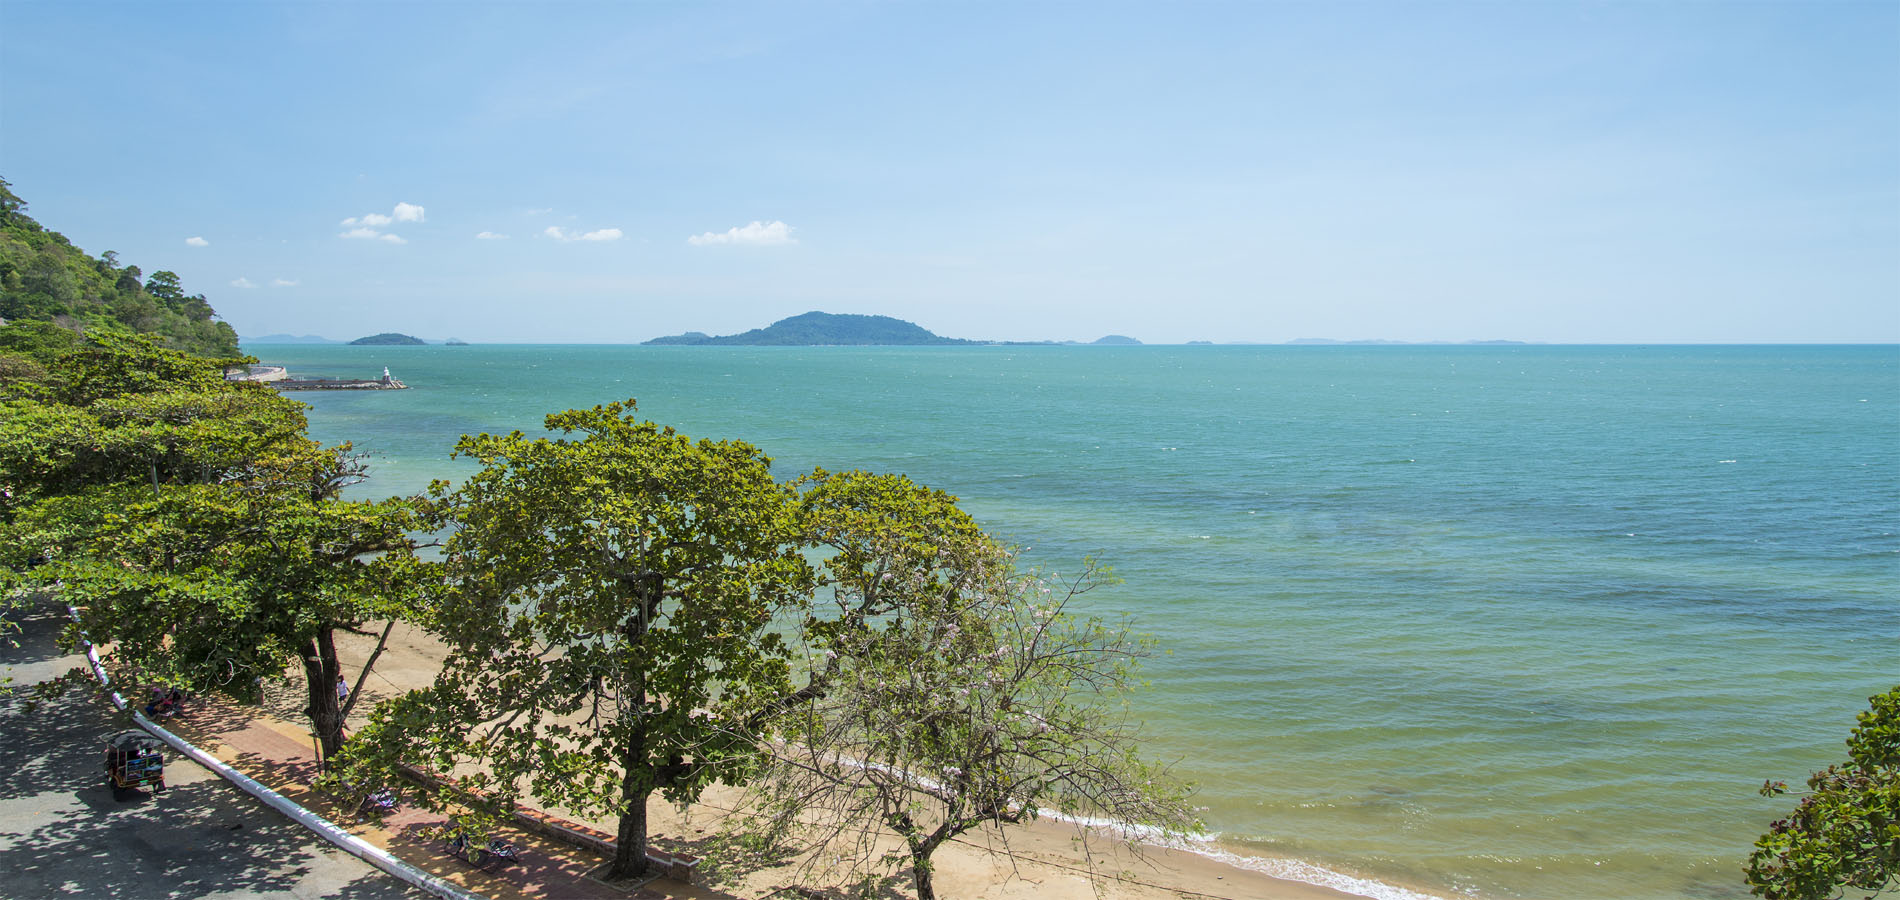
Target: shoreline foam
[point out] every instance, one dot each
(1279, 868)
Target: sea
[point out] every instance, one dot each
(1440, 621)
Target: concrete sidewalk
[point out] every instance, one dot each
(282, 755)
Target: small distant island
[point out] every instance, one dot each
(388, 339)
(288, 339)
(456, 342)
(820, 329)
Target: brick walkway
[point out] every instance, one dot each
(282, 755)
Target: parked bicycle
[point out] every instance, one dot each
(496, 851)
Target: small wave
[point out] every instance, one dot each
(1308, 873)
(1725, 461)
(1281, 868)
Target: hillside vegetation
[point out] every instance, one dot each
(44, 278)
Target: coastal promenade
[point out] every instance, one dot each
(205, 833)
(281, 755)
(63, 834)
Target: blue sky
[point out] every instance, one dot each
(1546, 171)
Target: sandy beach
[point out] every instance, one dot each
(1044, 859)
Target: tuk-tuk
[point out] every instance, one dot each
(134, 759)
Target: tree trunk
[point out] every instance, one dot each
(630, 844)
(320, 672)
(920, 875)
(921, 846)
(636, 781)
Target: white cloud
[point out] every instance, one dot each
(604, 234)
(491, 236)
(371, 234)
(282, 282)
(757, 234)
(242, 283)
(196, 242)
(365, 225)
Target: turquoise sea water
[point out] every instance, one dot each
(1499, 621)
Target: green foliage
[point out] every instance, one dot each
(44, 278)
(193, 523)
(606, 610)
(1845, 833)
(969, 696)
(211, 588)
(119, 409)
(27, 349)
(892, 544)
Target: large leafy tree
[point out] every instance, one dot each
(606, 608)
(887, 544)
(114, 411)
(214, 587)
(193, 524)
(1845, 833)
(117, 409)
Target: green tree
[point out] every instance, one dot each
(130, 280)
(165, 286)
(28, 351)
(979, 700)
(70, 424)
(12, 207)
(1845, 833)
(120, 409)
(194, 524)
(215, 586)
(606, 610)
(890, 544)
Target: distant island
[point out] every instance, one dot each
(819, 329)
(457, 342)
(386, 339)
(1117, 340)
(288, 339)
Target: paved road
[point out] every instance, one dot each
(62, 834)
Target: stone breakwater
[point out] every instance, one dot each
(385, 383)
(333, 384)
